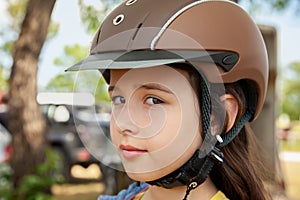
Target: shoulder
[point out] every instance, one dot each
(219, 196)
(133, 190)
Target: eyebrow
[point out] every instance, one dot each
(148, 86)
(155, 86)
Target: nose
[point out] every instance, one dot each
(124, 121)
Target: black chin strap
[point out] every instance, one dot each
(215, 156)
(192, 173)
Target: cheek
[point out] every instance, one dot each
(113, 132)
(180, 129)
(171, 148)
(168, 131)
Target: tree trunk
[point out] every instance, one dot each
(26, 122)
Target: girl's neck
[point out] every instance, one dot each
(203, 192)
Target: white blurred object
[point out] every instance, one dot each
(75, 99)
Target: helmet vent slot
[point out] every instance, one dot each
(118, 19)
(137, 30)
(130, 2)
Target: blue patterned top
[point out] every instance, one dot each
(127, 194)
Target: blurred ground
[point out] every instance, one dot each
(83, 188)
(291, 172)
(90, 191)
(290, 164)
(86, 191)
(290, 161)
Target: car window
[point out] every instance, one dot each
(4, 135)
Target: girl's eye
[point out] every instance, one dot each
(153, 100)
(116, 100)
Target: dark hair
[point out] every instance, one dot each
(242, 175)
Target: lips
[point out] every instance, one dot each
(129, 151)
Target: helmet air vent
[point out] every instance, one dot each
(118, 19)
(137, 30)
(130, 2)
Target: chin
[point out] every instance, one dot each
(152, 167)
(144, 176)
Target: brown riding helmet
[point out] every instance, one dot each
(144, 33)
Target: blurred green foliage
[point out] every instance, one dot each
(34, 186)
(9, 33)
(293, 146)
(91, 18)
(72, 55)
(84, 81)
(255, 6)
(3, 80)
(289, 90)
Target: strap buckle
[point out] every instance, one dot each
(216, 154)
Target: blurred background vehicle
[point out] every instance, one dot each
(73, 140)
(79, 132)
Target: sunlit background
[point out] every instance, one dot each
(70, 35)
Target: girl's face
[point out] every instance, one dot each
(155, 120)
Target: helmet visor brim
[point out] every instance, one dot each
(150, 58)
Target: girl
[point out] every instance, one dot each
(184, 78)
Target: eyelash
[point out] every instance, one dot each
(153, 98)
(114, 99)
(122, 100)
